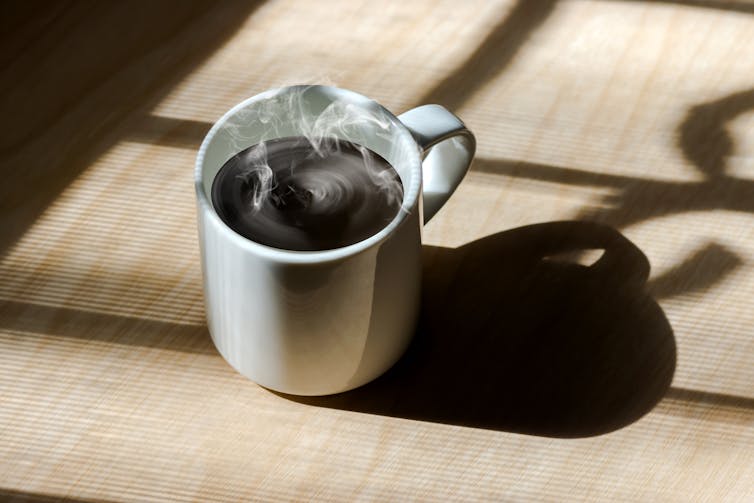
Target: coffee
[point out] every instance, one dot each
(295, 194)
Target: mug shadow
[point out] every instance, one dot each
(511, 338)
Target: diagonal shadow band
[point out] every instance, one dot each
(88, 71)
(635, 199)
(714, 399)
(492, 55)
(103, 327)
(22, 496)
(169, 131)
(744, 6)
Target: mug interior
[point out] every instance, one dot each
(310, 111)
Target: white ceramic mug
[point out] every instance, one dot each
(322, 322)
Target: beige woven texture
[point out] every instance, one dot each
(533, 379)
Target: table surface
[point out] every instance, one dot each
(534, 376)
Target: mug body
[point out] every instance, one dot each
(320, 322)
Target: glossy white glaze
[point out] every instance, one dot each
(315, 323)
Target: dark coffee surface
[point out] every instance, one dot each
(291, 194)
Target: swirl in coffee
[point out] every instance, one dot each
(296, 194)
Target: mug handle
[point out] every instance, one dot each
(448, 148)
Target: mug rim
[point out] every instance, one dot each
(410, 198)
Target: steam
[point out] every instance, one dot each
(288, 113)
